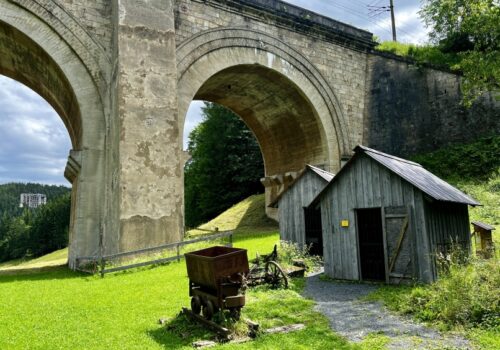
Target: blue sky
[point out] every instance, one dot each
(34, 143)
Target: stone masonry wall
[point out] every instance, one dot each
(343, 68)
(414, 110)
(95, 16)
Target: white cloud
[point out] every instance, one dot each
(34, 142)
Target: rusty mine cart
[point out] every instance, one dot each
(217, 280)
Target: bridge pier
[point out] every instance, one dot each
(151, 161)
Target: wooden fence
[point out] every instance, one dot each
(103, 260)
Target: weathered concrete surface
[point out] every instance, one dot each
(150, 156)
(121, 74)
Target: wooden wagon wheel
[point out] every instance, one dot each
(275, 275)
(208, 310)
(196, 304)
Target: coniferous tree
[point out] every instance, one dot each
(225, 166)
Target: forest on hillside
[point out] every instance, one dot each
(26, 233)
(10, 194)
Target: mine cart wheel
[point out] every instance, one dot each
(275, 275)
(196, 304)
(208, 310)
(235, 313)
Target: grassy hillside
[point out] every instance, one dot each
(66, 310)
(246, 216)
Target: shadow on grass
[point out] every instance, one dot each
(39, 273)
(179, 332)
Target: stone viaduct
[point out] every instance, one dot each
(121, 75)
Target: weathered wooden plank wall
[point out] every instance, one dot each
(291, 206)
(448, 225)
(367, 184)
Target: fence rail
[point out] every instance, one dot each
(177, 245)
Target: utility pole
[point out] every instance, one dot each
(393, 20)
(375, 10)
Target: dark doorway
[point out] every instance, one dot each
(314, 234)
(371, 244)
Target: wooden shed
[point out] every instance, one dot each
(298, 222)
(385, 218)
(483, 234)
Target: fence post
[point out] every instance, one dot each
(101, 251)
(178, 253)
(103, 265)
(231, 239)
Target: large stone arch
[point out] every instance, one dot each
(211, 51)
(33, 53)
(313, 121)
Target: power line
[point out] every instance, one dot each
(356, 13)
(367, 16)
(377, 10)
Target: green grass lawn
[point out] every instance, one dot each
(62, 309)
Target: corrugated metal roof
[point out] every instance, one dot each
(325, 175)
(419, 177)
(483, 225)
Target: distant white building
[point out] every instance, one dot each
(32, 200)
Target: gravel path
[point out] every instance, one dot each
(354, 318)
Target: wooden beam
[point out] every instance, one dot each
(400, 241)
(222, 331)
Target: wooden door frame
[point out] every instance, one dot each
(384, 242)
(384, 239)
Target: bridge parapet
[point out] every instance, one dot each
(301, 20)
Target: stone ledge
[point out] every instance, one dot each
(300, 20)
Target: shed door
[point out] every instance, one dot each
(371, 246)
(314, 232)
(398, 239)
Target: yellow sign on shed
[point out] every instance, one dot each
(344, 223)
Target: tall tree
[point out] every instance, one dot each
(35, 232)
(50, 226)
(225, 166)
(470, 28)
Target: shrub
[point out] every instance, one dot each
(474, 161)
(422, 54)
(290, 252)
(465, 295)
